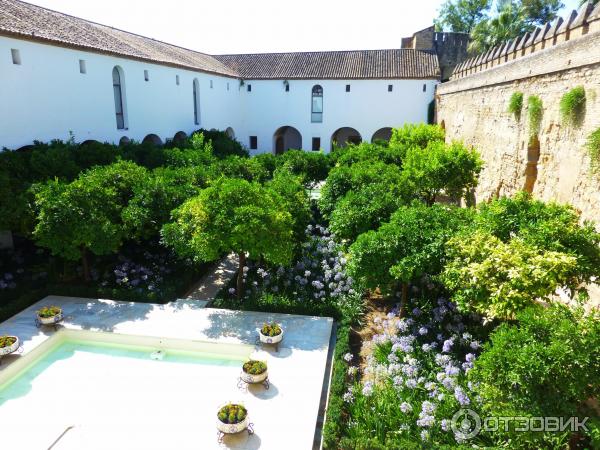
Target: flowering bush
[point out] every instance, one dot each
(415, 380)
(318, 275)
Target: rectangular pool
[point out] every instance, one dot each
(90, 390)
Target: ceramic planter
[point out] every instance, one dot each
(270, 339)
(254, 379)
(50, 320)
(10, 349)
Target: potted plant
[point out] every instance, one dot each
(254, 372)
(8, 345)
(232, 418)
(49, 315)
(271, 333)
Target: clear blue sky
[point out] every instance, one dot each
(241, 26)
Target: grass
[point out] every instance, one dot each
(572, 107)
(515, 105)
(535, 108)
(593, 146)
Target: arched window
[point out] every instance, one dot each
(317, 104)
(119, 97)
(196, 102)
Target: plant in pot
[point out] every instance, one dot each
(254, 372)
(232, 418)
(8, 345)
(270, 333)
(49, 315)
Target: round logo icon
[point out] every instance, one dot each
(466, 423)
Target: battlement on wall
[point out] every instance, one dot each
(575, 26)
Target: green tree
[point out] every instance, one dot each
(416, 135)
(367, 207)
(462, 15)
(521, 250)
(343, 179)
(546, 364)
(409, 246)
(291, 190)
(232, 215)
(85, 215)
(152, 202)
(441, 169)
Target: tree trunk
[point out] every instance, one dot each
(404, 300)
(85, 263)
(240, 277)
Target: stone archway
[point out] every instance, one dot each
(124, 141)
(383, 134)
(286, 138)
(230, 133)
(180, 138)
(344, 136)
(152, 139)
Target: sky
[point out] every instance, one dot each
(241, 26)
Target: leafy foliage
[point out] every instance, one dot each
(311, 167)
(255, 367)
(343, 178)
(462, 15)
(232, 215)
(439, 169)
(515, 104)
(416, 135)
(572, 106)
(593, 146)
(232, 413)
(546, 365)
(410, 246)
(521, 250)
(86, 214)
(535, 110)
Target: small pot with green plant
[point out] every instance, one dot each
(8, 345)
(232, 418)
(270, 333)
(255, 372)
(49, 315)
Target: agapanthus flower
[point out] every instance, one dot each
(406, 407)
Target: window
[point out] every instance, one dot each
(211, 84)
(249, 88)
(347, 88)
(16, 56)
(146, 75)
(177, 80)
(118, 93)
(390, 87)
(317, 104)
(82, 68)
(424, 88)
(316, 144)
(228, 85)
(196, 95)
(287, 88)
(253, 142)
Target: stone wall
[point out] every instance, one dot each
(555, 165)
(474, 108)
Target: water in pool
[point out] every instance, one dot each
(116, 396)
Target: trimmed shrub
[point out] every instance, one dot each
(572, 106)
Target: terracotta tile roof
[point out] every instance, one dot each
(26, 21)
(396, 63)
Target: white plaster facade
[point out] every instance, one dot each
(46, 97)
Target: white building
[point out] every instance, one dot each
(60, 74)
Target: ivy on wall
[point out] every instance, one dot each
(572, 106)
(593, 145)
(535, 110)
(515, 105)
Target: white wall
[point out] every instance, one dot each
(46, 97)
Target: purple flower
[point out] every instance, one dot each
(348, 357)
(461, 396)
(423, 331)
(368, 389)
(448, 343)
(405, 408)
